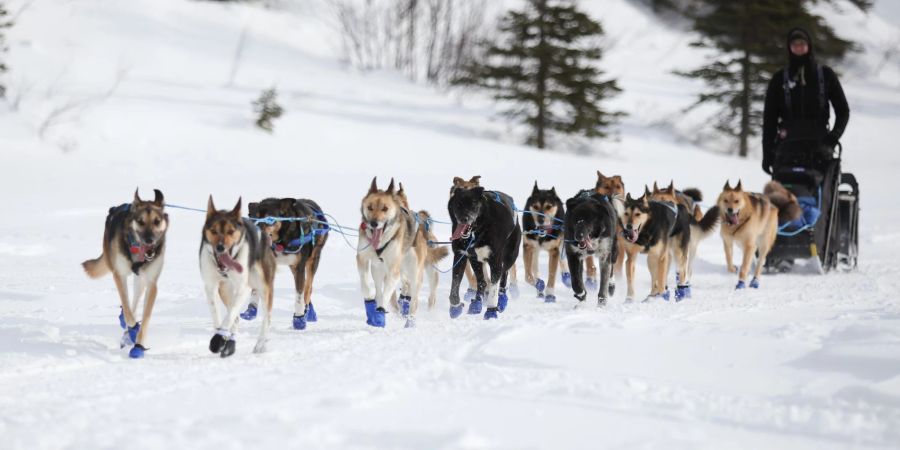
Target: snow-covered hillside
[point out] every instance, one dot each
(108, 95)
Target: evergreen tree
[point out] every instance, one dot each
(267, 109)
(545, 66)
(3, 24)
(750, 39)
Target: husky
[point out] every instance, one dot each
(296, 243)
(752, 220)
(542, 226)
(591, 231)
(134, 242)
(699, 230)
(485, 231)
(395, 252)
(653, 227)
(613, 188)
(235, 258)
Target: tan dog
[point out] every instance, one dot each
(394, 250)
(652, 227)
(134, 242)
(752, 220)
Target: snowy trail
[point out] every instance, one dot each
(805, 362)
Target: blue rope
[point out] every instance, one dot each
(468, 246)
(169, 205)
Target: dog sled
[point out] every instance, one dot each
(826, 236)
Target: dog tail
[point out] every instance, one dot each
(694, 194)
(698, 213)
(708, 222)
(434, 254)
(95, 268)
(788, 206)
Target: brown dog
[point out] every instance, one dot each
(752, 220)
(788, 207)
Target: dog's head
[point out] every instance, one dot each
(149, 221)
(274, 207)
(465, 207)
(609, 186)
(223, 229)
(459, 183)
(546, 203)
(731, 202)
(379, 209)
(664, 195)
(637, 214)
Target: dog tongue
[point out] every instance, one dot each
(225, 260)
(459, 231)
(586, 243)
(376, 237)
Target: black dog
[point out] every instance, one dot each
(654, 227)
(486, 230)
(542, 230)
(591, 230)
(297, 244)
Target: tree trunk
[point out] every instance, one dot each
(541, 88)
(745, 104)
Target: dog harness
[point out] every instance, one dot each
(295, 245)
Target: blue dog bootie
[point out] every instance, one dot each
(549, 298)
(591, 284)
(502, 300)
(378, 319)
(250, 312)
(682, 292)
(456, 310)
(300, 322)
(130, 336)
(754, 283)
(666, 295)
(567, 279)
(137, 352)
(491, 313)
(410, 322)
(475, 305)
(469, 295)
(311, 314)
(370, 310)
(741, 285)
(540, 286)
(404, 302)
(122, 319)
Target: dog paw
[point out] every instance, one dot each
(260, 347)
(299, 322)
(410, 322)
(549, 298)
(754, 283)
(404, 303)
(311, 315)
(581, 295)
(741, 285)
(732, 269)
(567, 279)
(229, 348)
(249, 313)
(591, 284)
(217, 343)
(469, 295)
(601, 302)
(475, 306)
(137, 352)
(456, 310)
(491, 313)
(378, 319)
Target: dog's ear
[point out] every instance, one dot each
(647, 190)
(553, 191)
(628, 197)
(210, 208)
(655, 188)
(400, 191)
(158, 199)
(671, 187)
(534, 190)
(390, 188)
(137, 197)
(374, 187)
(285, 204)
(253, 208)
(476, 180)
(236, 212)
(727, 185)
(738, 186)
(600, 177)
(457, 181)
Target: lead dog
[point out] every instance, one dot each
(486, 232)
(234, 259)
(134, 242)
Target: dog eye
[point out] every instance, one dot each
(140, 222)
(156, 222)
(369, 207)
(231, 232)
(384, 209)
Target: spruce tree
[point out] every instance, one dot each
(267, 109)
(4, 23)
(544, 66)
(749, 37)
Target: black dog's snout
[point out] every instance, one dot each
(730, 210)
(628, 226)
(220, 248)
(373, 223)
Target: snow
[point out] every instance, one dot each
(142, 94)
